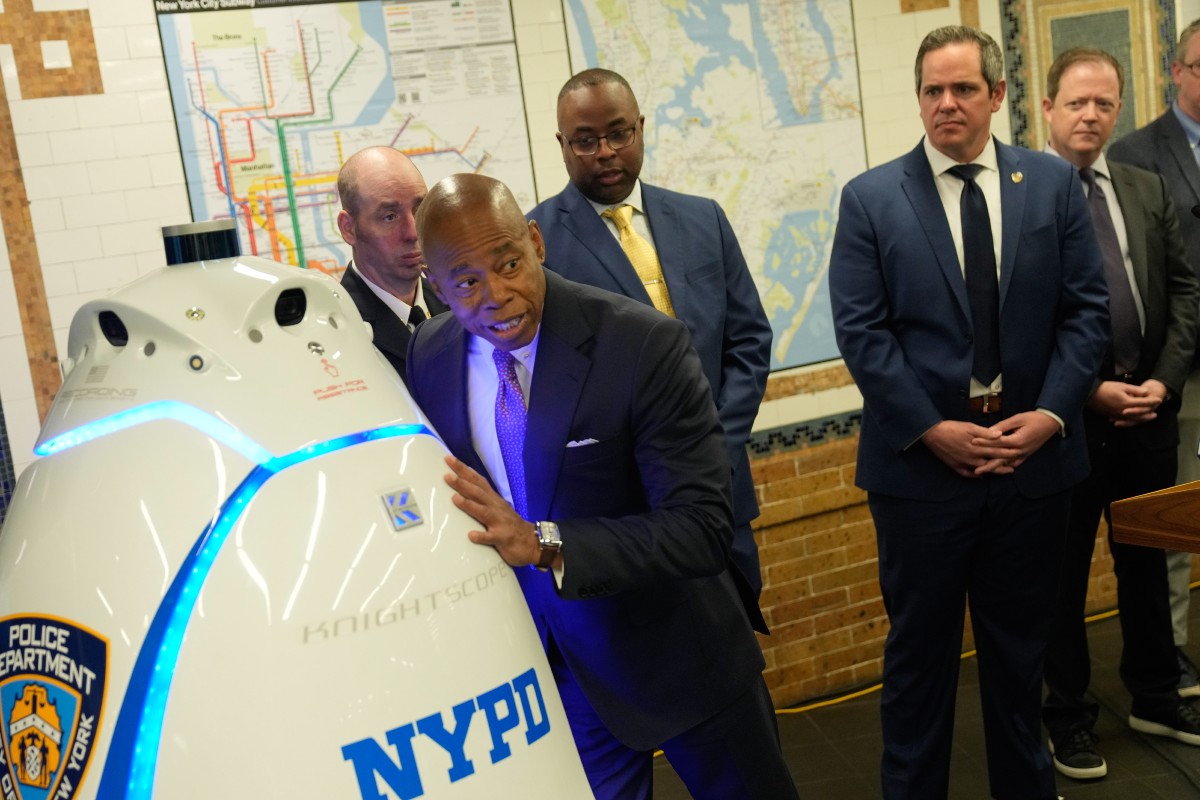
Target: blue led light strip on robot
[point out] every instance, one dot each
(133, 751)
(164, 409)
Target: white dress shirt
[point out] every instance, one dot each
(400, 308)
(949, 188)
(1104, 181)
(639, 221)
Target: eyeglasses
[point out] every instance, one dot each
(1193, 68)
(588, 145)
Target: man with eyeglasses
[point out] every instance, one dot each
(1170, 146)
(674, 251)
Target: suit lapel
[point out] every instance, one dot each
(388, 333)
(1175, 141)
(559, 373)
(579, 218)
(671, 246)
(1012, 203)
(391, 335)
(453, 419)
(922, 194)
(1135, 223)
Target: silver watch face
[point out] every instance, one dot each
(548, 535)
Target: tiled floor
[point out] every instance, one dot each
(834, 752)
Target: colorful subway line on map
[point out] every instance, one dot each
(264, 192)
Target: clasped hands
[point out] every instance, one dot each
(1128, 404)
(973, 450)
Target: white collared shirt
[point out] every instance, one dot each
(640, 222)
(1104, 181)
(400, 308)
(949, 188)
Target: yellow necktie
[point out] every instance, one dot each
(641, 254)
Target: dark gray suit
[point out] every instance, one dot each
(1162, 147)
(624, 451)
(1126, 462)
(647, 606)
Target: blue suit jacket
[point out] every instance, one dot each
(647, 606)
(711, 290)
(903, 322)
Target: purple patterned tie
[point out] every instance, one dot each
(510, 427)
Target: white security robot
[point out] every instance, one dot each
(237, 570)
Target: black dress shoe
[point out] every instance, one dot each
(1182, 725)
(1076, 757)
(1189, 678)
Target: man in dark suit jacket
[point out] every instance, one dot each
(618, 490)
(707, 281)
(380, 190)
(967, 470)
(1129, 420)
(1168, 146)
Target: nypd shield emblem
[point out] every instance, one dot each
(52, 680)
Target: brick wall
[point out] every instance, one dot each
(819, 560)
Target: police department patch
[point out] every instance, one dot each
(52, 679)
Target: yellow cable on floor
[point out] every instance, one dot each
(875, 687)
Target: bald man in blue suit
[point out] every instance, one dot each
(968, 474)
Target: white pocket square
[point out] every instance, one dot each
(581, 442)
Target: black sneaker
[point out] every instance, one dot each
(1075, 755)
(1189, 678)
(1183, 725)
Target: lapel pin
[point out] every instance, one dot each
(1017, 177)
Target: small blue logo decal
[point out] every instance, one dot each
(52, 680)
(401, 506)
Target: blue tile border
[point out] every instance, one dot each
(8, 481)
(1166, 54)
(1012, 28)
(804, 434)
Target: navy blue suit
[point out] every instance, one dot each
(903, 325)
(648, 620)
(712, 293)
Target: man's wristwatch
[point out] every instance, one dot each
(549, 543)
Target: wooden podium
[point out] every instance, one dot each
(1168, 518)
